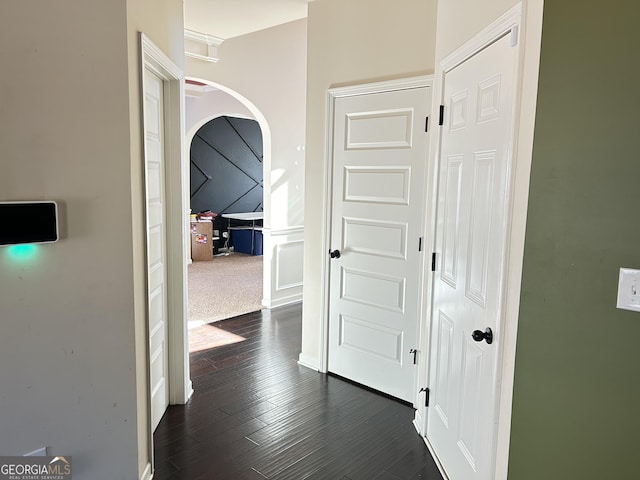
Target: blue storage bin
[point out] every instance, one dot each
(241, 241)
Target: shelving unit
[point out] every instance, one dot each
(202, 240)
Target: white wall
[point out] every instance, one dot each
(72, 330)
(268, 69)
(199, 110)
(460, 20)
(351, 42)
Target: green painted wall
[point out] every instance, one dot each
(576, 412)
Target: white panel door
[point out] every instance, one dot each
(380, 157)
(471, 228)
(156, 244)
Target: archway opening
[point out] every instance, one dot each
(228, 160)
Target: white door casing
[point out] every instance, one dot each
(472, 226)
(168, 123)
(379, 160)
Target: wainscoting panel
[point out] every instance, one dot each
(283, 252)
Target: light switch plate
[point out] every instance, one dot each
(629, 289)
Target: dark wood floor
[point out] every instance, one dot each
(257, 414)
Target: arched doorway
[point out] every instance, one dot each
(228, 145)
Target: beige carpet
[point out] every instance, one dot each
(224, 287)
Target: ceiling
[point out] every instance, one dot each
(231, 18)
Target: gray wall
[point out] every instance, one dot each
(72, 342)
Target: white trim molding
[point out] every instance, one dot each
(177, 218)
(508, 23)
(197, 91)
(177, 222)
(381, 87)
(308, 362)
(284, 254)
(201, 46)
(147, 473)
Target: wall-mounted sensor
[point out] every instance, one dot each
(28, 222)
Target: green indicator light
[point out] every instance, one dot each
(22, 252)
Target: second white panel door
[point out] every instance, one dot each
(471, 230)
(379, 164)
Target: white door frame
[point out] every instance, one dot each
(513, 23)
(180, 388)
(332, 95)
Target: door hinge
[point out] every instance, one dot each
(426, 396)
(420, 244)
(426, 124)
(433, 262)
(415, 353)
(441, 119)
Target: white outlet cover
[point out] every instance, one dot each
(629, 289)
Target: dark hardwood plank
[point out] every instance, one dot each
(256, 414)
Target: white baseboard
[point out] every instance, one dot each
(189, 390)
(435, 458)
(281, 302)
(147, 474)
(417, 422)
(415, 425)
(309, 362)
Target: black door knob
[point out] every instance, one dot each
(335, 254)
(479, 335)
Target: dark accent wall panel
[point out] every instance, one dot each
(226, 166)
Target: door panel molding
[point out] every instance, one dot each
(362, 184)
